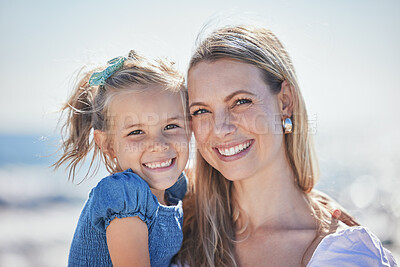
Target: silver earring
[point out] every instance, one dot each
(287, 125)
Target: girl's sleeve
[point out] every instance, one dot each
(354, 246)
(121, 195)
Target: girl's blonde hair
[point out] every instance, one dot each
(209, 227)
(87, 109)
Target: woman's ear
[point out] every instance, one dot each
(100, 138)
(285, 97)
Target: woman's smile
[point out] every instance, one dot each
(234, 150)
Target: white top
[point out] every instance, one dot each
(353, 246)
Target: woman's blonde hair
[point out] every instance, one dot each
(209, 227)
(87, 109)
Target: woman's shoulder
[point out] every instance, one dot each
(351, 246)
(121, 195)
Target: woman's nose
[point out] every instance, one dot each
(223, 125)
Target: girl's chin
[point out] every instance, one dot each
(161, 186)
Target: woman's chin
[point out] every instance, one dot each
(234, 174)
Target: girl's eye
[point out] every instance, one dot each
(171, 126)
(136, 132)
(243, 101)
(200, 111)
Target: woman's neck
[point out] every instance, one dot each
(272, 199)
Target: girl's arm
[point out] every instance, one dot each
(127, 241)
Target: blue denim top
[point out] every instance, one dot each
(123, 195)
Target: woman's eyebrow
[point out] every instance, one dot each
(230, 96)
(227, 98)
(198, 104)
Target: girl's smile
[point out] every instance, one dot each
(161, 165)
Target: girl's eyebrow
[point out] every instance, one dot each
(179, 117)
(128, 126)
(227, 98)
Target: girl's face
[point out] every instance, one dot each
(236, 119)
(149, 135)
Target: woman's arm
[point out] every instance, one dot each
(127, 241)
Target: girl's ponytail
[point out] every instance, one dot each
(75, 132)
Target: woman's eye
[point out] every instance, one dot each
(200, 111)
(243, 101)
(136, 132)
(171, 126)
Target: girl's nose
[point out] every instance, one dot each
(158, 144)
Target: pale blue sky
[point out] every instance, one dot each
(345, 52)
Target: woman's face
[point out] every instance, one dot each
(236, 119)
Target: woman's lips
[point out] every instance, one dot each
(233, 151)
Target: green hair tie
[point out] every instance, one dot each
(100, 77)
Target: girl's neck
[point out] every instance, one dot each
(160, 194)
(272, 199)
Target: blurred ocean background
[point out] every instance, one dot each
(346, 55)
(38, 208)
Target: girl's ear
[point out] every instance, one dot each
(285, 98)
(100, 138)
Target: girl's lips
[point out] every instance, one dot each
(160, 166)
(233, 151)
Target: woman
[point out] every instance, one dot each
(252, 201)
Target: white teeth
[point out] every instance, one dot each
(154, 165)
(234, 150)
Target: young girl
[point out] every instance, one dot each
(136, 110)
